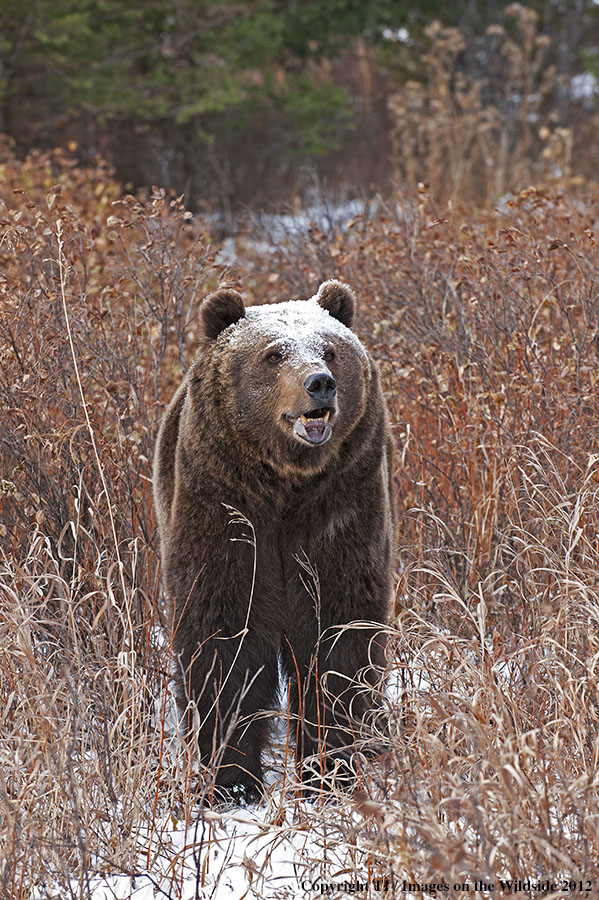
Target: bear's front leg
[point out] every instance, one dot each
(333, 654)
(226, 664)
(230, 680)
(335, 695)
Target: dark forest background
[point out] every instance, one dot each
(266, 103)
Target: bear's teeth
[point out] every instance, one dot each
(325, 418)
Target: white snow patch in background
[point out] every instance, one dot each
(269, 231)
(398, 35)
(584, 86)
(328, 217)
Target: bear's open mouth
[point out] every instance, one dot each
(312, 426)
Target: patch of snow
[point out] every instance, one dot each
(397, 35)
(260, 851)
(584, 86)
(284, 847)
(328, 217)
(268, 231)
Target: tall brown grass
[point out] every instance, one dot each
(486, 329)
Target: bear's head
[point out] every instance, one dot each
(289, 379)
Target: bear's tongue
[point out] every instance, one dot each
(314, 430)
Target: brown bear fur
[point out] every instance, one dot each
(229, 441)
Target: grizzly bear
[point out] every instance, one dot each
(279, 425)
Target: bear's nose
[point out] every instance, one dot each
(322, 386)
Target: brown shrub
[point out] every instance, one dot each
(97, 315)
(487, 328)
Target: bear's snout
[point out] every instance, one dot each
(321, 386)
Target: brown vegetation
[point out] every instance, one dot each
(486, 326)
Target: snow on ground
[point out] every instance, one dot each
(270, 850)
(284, 847)
(287, 846)
(232, 854)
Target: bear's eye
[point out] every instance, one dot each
(329, 355)
(274, 358)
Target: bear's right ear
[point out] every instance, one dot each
(219, 310)
(338, 299)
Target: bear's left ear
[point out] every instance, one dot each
(338, 299)
(219, 310)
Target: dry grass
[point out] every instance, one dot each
(486, 328)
